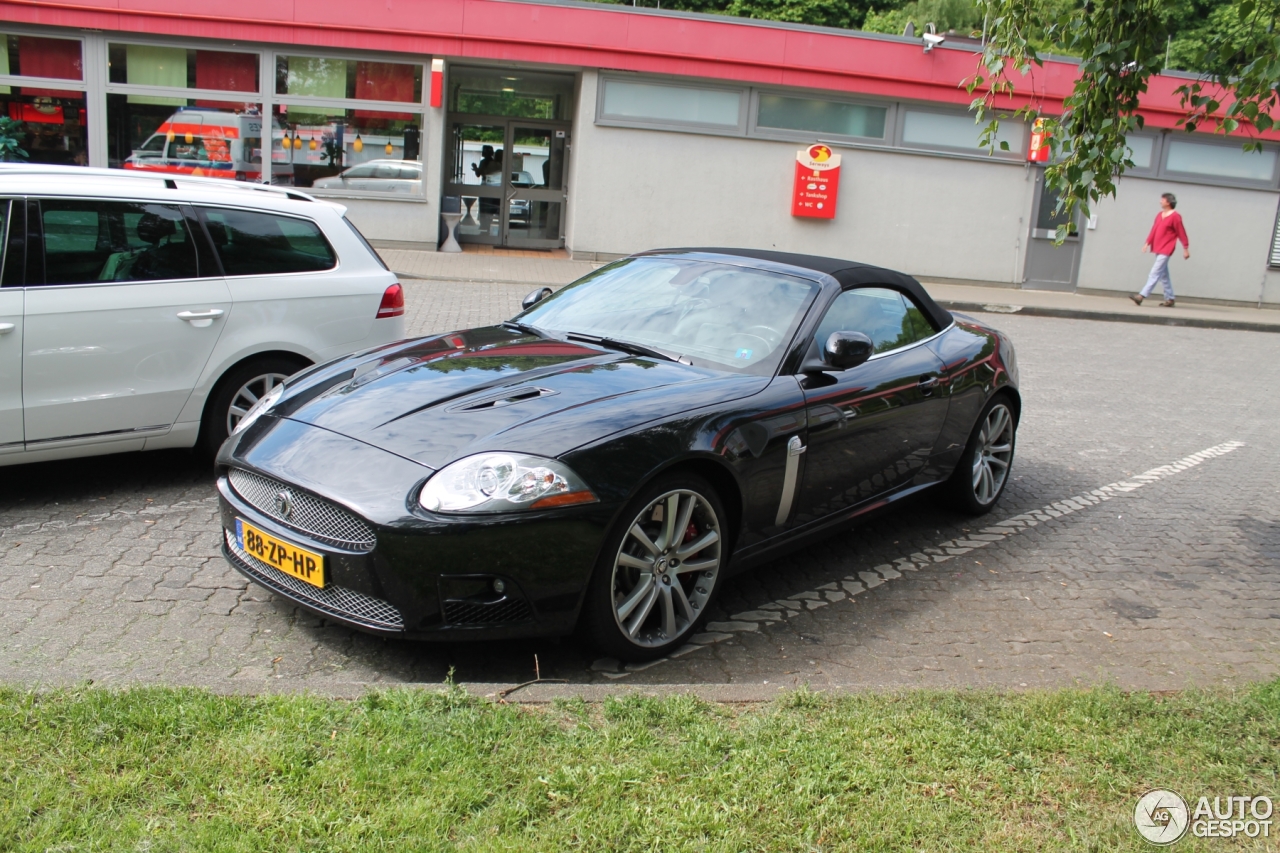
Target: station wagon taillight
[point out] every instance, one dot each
(392, 304)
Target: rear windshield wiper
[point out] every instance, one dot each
(624, 346)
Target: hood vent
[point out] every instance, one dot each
(509, 397)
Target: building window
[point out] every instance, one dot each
(512, 93)
(184, 111)
(1230, 161)
(641, 103)
(1142, 150)
(959, 131)
(338, 126)
(52, 119)
(813, 116)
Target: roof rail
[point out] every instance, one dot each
(168, 180)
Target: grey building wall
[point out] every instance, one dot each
(930, 216)
(1230, 231)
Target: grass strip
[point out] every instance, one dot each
(178, 769)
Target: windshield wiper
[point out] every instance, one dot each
(624, 346)
(526, 328)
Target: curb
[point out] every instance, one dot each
(1108, 316)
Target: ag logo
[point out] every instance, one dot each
(1161, 816)
(284, 508)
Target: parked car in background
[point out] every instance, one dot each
(142, 311)
(608, 457)
(384, 176)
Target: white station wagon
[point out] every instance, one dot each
(142, 311)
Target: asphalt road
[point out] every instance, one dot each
(1089, 571)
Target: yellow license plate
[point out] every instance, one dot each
(302, 564)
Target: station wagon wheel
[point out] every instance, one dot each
(983, 470)
(664, 562)
(248, 394)
(236, 393)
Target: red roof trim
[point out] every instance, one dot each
(608, 37)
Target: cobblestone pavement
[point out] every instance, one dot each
(1170, 575)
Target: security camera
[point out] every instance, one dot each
(932, 40)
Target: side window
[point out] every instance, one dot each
(254, 243)
(919, 322)
(360, 172)
(879, 313)
(92, 241)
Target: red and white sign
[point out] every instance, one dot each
(817, 183)
(1038, 149)
(437, 83)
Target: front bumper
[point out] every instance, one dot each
(426, 577)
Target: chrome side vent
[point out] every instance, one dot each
(509, 397)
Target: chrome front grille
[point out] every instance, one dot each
(303, 511)
(336, 600)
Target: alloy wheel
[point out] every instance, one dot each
(248, 394)
(666, 568)
(993, 454)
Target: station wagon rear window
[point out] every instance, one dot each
(254, 243)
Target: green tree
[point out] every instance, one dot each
(1234, 46)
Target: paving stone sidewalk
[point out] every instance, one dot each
(109, 567)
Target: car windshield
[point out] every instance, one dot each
(710, 314)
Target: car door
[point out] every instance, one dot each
(872, 427)
(119, 321)
(11, 294)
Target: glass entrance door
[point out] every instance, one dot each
(510, 177)
(535, 192)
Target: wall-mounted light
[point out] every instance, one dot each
(358, 145)
(312, 144)
(297, 142)
(389, 149)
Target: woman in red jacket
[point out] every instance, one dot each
(1163, 240)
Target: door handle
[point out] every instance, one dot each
(6, 328)
(927, 383)
(201, 319)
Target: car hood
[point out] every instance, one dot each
(434, 400)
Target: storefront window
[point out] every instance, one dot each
(331, 148)
(48, 124)
(322, 77)
(181, 68)
(37, 56)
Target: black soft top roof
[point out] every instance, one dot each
(848, 273)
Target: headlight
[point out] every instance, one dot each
(501, 482)
(255, 411)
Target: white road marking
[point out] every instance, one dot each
(785, 608)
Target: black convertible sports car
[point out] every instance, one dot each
(608, 457)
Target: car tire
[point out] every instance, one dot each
(982, 473)
(650, 590)
(238, 387)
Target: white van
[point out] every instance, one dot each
(211, 144)
(142, 311)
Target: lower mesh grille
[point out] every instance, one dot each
(336, 600)
(486, 613)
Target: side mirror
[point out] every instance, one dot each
(841, 351)
(844, 350)
(535, 297)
